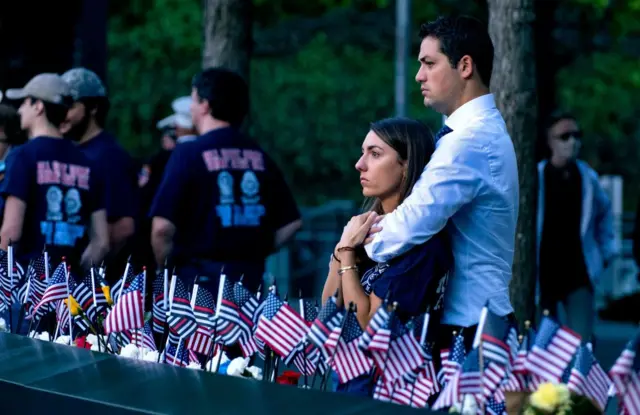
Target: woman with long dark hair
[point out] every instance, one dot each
(394, 154)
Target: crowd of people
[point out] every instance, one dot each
(437, 232)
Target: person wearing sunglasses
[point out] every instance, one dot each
(575, 237)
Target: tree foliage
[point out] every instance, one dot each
(311, 109)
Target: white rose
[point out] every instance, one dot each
(256, 372)
(213, 363)
(64, 340)
(194, 365)
(3, 325)
(151, 356)
(131, 351)
(44, 336)
(237, 366)
(469, 405)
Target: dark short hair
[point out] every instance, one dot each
(55, 113)
(460, 36)
(226, 92)
(556, 116)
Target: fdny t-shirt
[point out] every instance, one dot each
(226, 197)
(61, 191)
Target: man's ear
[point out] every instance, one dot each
(39, 106)
(465, 67)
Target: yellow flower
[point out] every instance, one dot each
(74, 308)
(107, 294)
(549, 396)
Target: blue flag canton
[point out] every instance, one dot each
(137, 284)
(242, 294)
(547, 330)
(457, 352)
(329, 309)
(272, 306)
(310, 310)
(351, 329)
(472, 362)
(204, 299)
(583, 360)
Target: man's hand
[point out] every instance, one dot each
(358, 229)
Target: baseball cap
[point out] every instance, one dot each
(84, 83)
(49, 87)
(181, 116)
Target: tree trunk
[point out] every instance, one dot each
(227, 35)
(514, 85)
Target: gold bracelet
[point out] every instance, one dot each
(345, 269)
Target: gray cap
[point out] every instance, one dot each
(47, 87)
(84, 83)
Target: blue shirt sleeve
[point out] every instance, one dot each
(167, 199)
(19, 175)
(413, 279)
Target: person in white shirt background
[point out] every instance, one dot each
(470, 185)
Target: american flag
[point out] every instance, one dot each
(451, 359)
(159, 309)
(251, 307)
(115, 290)
(305, 356)
(143, 337)
(56, 289)
(204, 308)
(518, 377)
(181, 319)
(36, 282)
(494, 406)
(201, 341)
(405, 353)
(625, 374)
(348, 360)
(128, 312)
(498, 337)
(280, 327)
(229, 320)
(177, 355)
(552, 351)
(82, 295)
(329, 317)
(588, 379)
(377, 336)
(93, 284)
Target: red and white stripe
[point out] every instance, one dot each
(126, 314)
(349, 361)
(283, 332)
(550, 363)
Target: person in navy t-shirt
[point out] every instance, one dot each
(53, 194)
(223, 202)
(84, 125)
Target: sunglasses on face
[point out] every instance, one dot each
(566, 136)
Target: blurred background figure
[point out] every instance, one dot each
(576, 241)
(85, 126)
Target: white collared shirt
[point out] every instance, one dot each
(471, 185)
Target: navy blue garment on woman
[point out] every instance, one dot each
(417, 281)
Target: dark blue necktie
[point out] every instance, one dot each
(443, 131)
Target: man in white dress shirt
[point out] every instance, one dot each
(470, 184)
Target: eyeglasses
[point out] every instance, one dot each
(566, 136)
